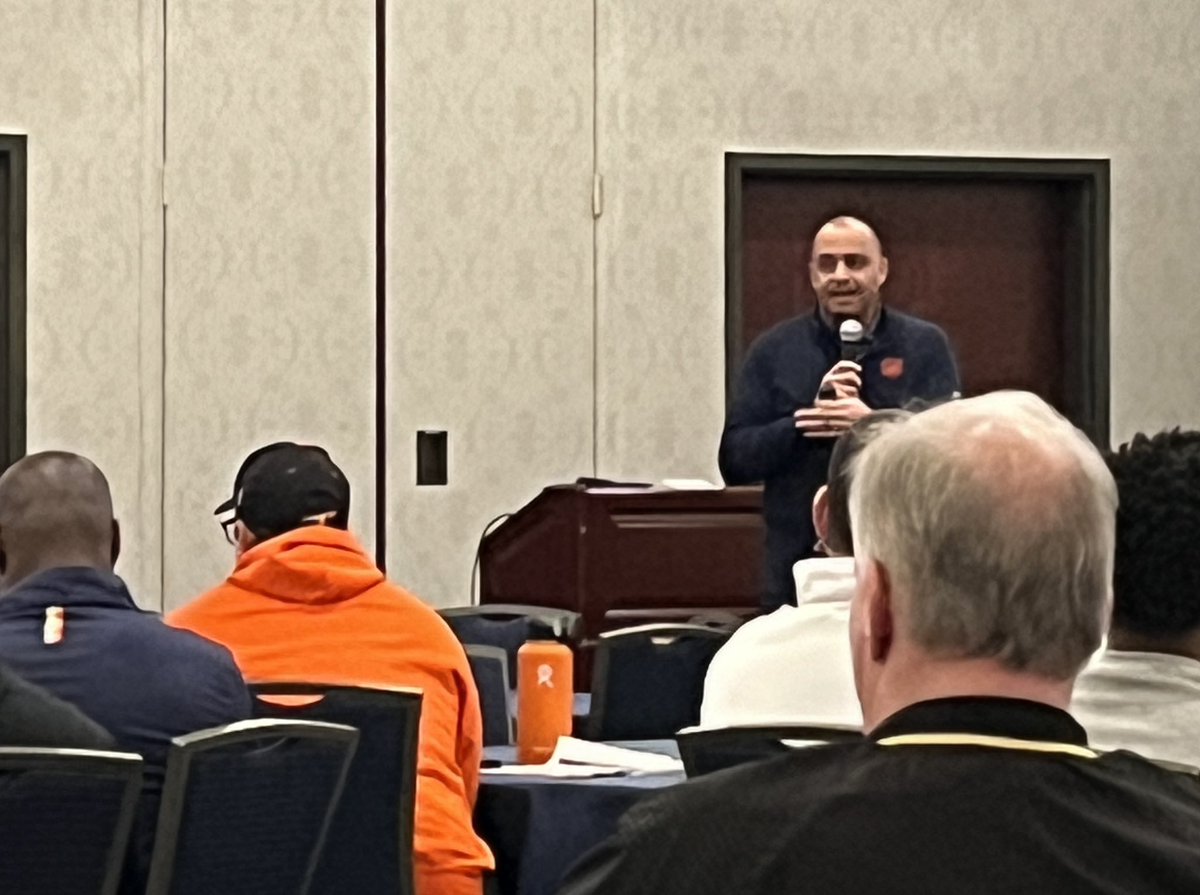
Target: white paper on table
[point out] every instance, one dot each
(581, 758)
(690, 485)
(549, 769)
(573, 751)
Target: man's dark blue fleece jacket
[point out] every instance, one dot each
(907, 358)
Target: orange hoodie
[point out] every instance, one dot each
(311, 605)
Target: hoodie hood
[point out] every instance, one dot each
(314, 564)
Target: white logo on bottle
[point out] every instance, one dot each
(545, 676)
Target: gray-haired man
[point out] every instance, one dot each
(983, 534)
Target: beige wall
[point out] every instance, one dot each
(270, 297)
(681, 81)
(492, 297)
(489, 268)
(82, 79)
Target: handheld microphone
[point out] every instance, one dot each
(851, 333)
(854, 346)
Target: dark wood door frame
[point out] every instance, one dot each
(1087, 309)
(12, 294)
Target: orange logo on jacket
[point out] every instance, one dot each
(892, 367)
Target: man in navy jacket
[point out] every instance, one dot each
(68, 623)
(777, 430)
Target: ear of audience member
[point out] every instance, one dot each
(1143, 691)
(983, 538)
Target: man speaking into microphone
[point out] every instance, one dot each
(806, 380)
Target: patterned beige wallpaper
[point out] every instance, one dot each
(489, 268)
(270, 298)
(81, 78)
(681, 81)
(493, 305)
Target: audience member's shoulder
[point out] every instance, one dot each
(167, 639)
(418, 614)
(201, 608)
(1165, 779)
(765, 627)
(765, 786)
(404, 598)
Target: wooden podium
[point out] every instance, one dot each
(628, 556)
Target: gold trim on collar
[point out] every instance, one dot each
(975, 739)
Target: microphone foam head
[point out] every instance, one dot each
(850, 331)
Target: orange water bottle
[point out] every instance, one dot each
(545, 693)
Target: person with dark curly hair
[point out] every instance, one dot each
(1142, 692)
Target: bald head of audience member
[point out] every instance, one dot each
(55, 511)
(847, 268)
(984, 534)
(831, 504)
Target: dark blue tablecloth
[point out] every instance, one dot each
(538, 827)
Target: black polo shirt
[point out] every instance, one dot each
(950, 796)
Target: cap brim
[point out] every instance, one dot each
(225, 507)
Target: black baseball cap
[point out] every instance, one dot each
(285, 485)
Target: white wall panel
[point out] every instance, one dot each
(489, 268)
(82, 80)
(682, 81)
(270, 301)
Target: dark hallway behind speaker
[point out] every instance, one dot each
(1009, 257)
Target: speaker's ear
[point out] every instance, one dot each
(116, 542)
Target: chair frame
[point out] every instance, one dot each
(94, 762)
(603, 646)
(486, 651)
(408, 749)
(179, 764)
(566, 623)
(692, 740)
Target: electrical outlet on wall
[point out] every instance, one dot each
(432, 465)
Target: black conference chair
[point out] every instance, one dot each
(705, 751)
(509, 625)
(647, 681)
(369, 846)
(65, 817)
(489, 667)
(245, 807)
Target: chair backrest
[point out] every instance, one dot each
(245, 807)
(510, 625)
(489, 667)
(648, 680)
(369, 846)
(705, 751)
(65, 817)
